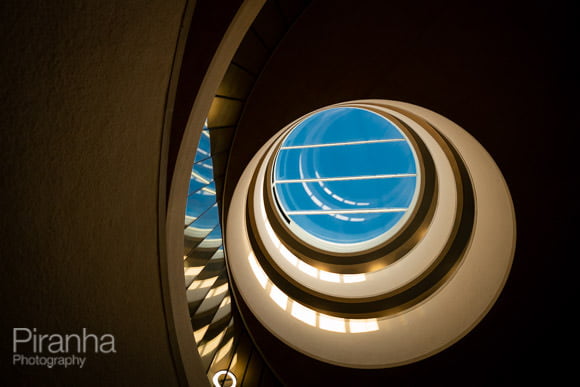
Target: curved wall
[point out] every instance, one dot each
(84, 88)
(502, 71)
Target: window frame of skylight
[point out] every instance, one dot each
(346, 248)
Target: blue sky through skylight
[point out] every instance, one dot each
(345, 175)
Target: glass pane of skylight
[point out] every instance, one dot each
(345, 175)
(349, 124)
(346, 194)
(367, 159)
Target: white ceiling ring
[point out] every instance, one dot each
(415, 333)
(387, 279)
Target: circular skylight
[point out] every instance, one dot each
(345, 177)
(445, 276)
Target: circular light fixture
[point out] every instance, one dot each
(380, 293)
(226, 374)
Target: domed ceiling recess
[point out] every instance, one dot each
(370, 234)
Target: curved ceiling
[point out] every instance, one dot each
(488, 67)
(447, 282)
(84, 94)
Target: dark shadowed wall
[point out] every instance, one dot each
(83, 90)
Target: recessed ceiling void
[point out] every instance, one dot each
(370, 234)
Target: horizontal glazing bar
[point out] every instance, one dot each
(343, 143)
(353, 211)
(389, 176)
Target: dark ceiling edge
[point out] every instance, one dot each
(183, 374)
(202, 38)
(225, 198)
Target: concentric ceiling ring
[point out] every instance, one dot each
(398, 301)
